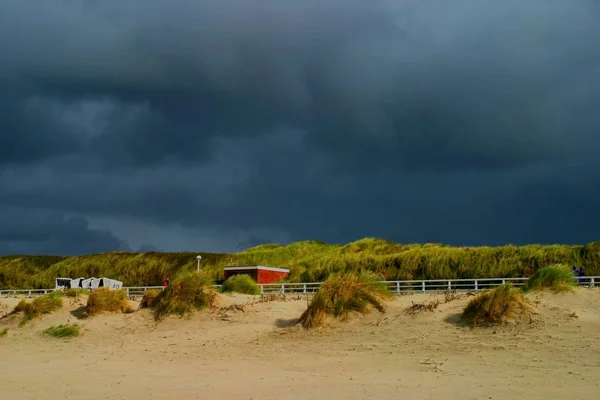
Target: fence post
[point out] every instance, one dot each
(504, 281)
(592, 282)
(423, 286)
(127, 291)
(397, 286)
(449, 285)
(304, 288)
(476, 285)
(283, 288)
(261, 289)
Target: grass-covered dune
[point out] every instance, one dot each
(309, 261)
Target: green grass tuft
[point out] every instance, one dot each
(558, 278)
(342, 294)
(41, 305)
(106, 300)
(186, 293)
(3, 332)
(240, 284)
(496, 306)
(63, 331)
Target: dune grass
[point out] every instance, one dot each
(341, 295)
(76, 292)
(39, 306)
(63, 331)
(3, 332)
(498, 305)
(150, 297)
(186, 293)
(106, 300)
(557, 278)
(308, 261)
(240, 284)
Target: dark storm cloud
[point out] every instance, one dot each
(41, 232)
(329, 119)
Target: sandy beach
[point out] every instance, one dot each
(257, 353)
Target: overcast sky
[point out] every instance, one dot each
(217, 125)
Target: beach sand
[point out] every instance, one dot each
(258, 354)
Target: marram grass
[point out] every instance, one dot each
(39, 306)
(557, 278)
(497, 305)
(63, 331)
(240, 284)
(341, 295)
(309, 261)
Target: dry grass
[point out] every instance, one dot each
(498, 305)
(106, 300)
(417, 308)
(149, 299)
(557, 278)
(186, 294)
(342, 294)
(41, 305)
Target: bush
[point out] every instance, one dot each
(41, 305)
(186, 294)
(342, 294)
(63, 331)
(558, 278)
(104, 299)
(240, 284)
(150, 297)
(496, 306)
(4, 332)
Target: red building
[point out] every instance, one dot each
(259, 273)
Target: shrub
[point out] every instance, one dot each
(149, 299)
(342, 294)
(186, 294)
(240, 284)
(558, 278)
(4, 332)
(104, 299)
(496, 306)
(41, 305)
(63, 331)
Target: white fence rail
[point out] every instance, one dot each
(398, 287)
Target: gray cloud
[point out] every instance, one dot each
(417, 121)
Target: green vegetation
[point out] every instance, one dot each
(342, 294)
(496, 306)
(4, 332)
(558, 278)
(106, 300)
(41, 305)
(240, 284)
(186, 294)
(63, 331)
(309, 261)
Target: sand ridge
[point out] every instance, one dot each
(257, 353)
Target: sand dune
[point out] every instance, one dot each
(255, 354)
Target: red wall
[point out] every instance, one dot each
(260, 276)
(266, 276)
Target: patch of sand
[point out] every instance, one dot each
(257, 353)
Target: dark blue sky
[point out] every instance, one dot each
(214, 125)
